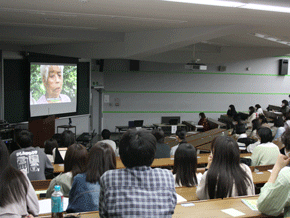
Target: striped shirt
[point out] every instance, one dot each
(137, 192)
(275, 197)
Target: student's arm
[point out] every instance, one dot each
(102, 202)
(275, 194)
(50, 189)
(255, 157)
(31, 200)
(201, 191)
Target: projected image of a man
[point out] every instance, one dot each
(52, 78)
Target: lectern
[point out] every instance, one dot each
(42, 130)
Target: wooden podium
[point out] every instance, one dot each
(42, 130)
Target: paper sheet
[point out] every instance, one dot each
(45, 205)
(180, 198)
(233, 212)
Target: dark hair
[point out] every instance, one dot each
(106, 134)
(49, 145)
(101, 159)
(278, 121)
(13, 185)
(256, 124)
(159, 135)
(263, 118)
(137, 148)
(24, 139)
(202, 115)
(251, 110)
(265, 134)
(75, 159)
(257, 106)
(225, 170)
(285, 138)
(185, 164)
(67, 138)
(181, 133)
(285, 102)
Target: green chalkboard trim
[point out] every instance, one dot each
(204, 73)
(218, 93)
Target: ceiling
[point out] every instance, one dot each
(150, 30)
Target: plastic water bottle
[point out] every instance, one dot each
(57, 203)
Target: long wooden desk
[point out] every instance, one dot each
(212, 208)
(162, 162)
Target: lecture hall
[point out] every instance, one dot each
(145, 108)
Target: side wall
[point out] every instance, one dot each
(170, 90)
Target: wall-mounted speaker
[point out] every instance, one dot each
(134, 65)
(283, 66)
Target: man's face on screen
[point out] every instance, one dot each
(54, 82)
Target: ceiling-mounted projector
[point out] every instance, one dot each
(195, 66)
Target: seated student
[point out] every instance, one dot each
(32, 160)
(180, 137)
(240, 127)
(138, 190)
(75, 162)
(84, 195)
(256, 124)
(226, 176)
(285, 107)
(267, 152)
(259, 109)
(278, 128)
(203, 121)
(162, 149)
(185, 164)
(232, 111)
(252, 116)
(49, 145)
(275, 195)
(17, 196)
(67, 138)
(106, 134)
(263, 121)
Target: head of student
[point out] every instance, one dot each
(159, 135)
(101, 159)
(265, 134)
(137, 148)
(75, 159)
(251, 110)
(106, 134)
(13, 185)
(285, 138)
(24, 139)
(225, 169)
(67, 138)
(256, 124)
(49, 145)
(257, 106)
(185, 164)
(284, 103)
(52, 78)
(202, 115)
(181, 134)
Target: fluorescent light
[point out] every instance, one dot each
(266, 8)
(271, 39)
(211, 2)
(259, 35)
(234, 4)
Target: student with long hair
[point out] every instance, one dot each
(185, 164)
(17, 196)
(232, 111)
(252, 115)
(84, 195)
(75, 162)
(226, 176)
(203, 121)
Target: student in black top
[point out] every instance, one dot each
(162, 149)
(232, 111)
(180, 137)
